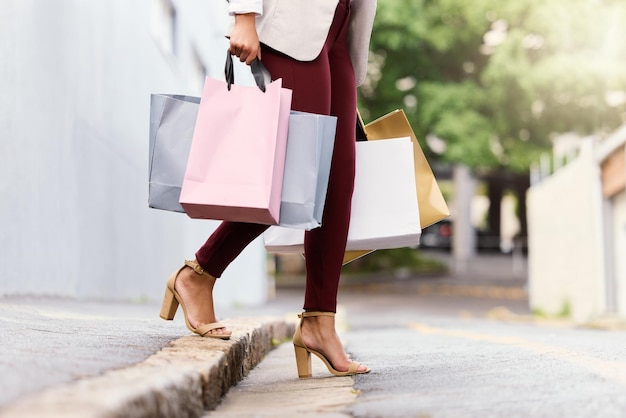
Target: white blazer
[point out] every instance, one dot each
(298, 28)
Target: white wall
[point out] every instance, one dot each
(618, 225)
(76, 80)
(566, 255)
(615, 217)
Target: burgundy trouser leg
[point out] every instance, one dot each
(324, 86)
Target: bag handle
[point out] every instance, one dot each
(361, 132)
(258, 69)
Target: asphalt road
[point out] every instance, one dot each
(444, 355)
(466, 357)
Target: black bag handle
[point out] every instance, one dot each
(361, 133)
(257, 68)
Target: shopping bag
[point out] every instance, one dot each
(350, 256)
(384, 203)
(432, 205)
(172, 118)
(310, 146)
(307, 163)
(236, 161)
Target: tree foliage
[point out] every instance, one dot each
(493, 80)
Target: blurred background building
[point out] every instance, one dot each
(577, 229)
(74, 118)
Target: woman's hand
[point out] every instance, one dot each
(244, 40)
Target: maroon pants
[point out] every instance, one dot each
(324, 86)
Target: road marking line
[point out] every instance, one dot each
(608, 369)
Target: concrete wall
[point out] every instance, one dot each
(566, 247)
(76, 80)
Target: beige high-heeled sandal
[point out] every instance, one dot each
(303, 353)
(172, 299)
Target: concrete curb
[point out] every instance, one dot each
(184, 379)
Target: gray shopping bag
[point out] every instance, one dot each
(172, 121)
(310, 145)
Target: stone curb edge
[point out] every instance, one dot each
(184, 379)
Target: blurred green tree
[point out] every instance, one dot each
(488, 82)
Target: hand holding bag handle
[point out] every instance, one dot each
(258, 71)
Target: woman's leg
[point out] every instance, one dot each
(326, 86)
(222, 247)
(225, 244)
(228, 240)
(325, 246)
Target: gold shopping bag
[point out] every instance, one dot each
(431, 204)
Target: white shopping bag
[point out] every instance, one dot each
(384, 204)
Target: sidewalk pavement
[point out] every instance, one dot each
(273, 389)
(66, 358)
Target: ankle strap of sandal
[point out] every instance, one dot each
(197, 268)
(315, 313)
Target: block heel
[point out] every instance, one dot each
(303, 362)
(169, 306)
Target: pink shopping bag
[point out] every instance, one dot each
(237, 156)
